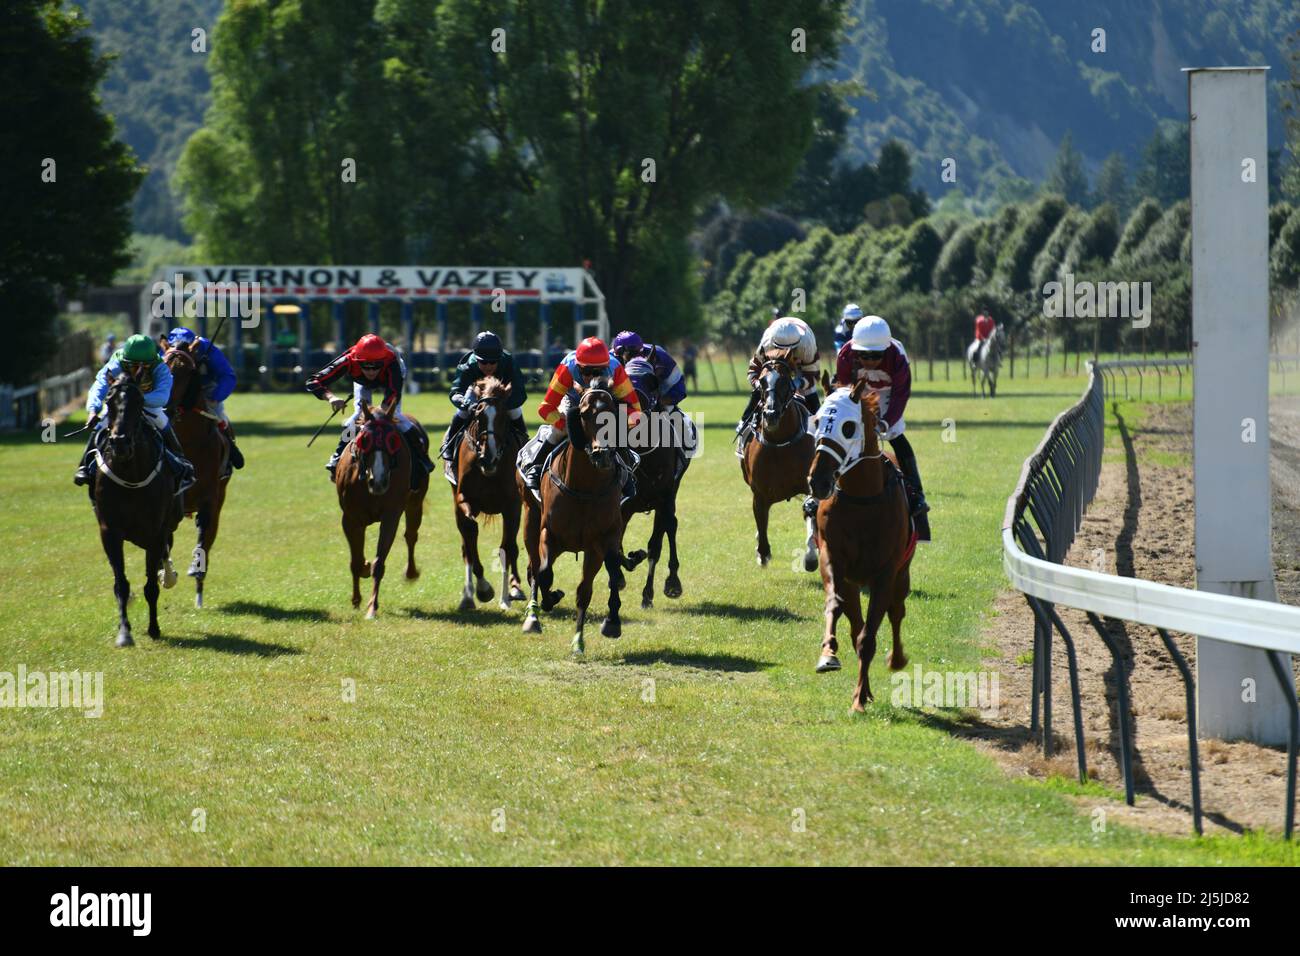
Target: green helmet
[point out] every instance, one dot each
(139, 348)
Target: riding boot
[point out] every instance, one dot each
(236, 456)
(85, 473)
(916, 496)
(419, 457)
(446, 450)
(749, 411)
(629, 472)
(540, 449)
(181, 466)
(334, 458)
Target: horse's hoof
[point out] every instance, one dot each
(365, 570)
(647, 602)
(896, 665)
(198, 600)
(672, 588)
(553, 599)
(577, 647)
(485, 591)
(167, 577)
(611, 627)
(371, 613)
(827, 662)
(810, 561)
(412, 573)
(124, 639)
(532, 625)
(517, 594)
(857, 708)
(763, 559)
(356, 602)
(155, 632)
(504, 603)
(466, 604)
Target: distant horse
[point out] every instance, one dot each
(776, 458)
(866, 538)
(657, 483)
(485, 484)
(984, 359)
(207, 449)
(579, 512)
(135, 498)
(373, 480)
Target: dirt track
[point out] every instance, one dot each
(1140, 524)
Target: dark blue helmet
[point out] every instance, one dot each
(487, 347)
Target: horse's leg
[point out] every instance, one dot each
(387, 533)
(591, 563)
(811, 558)
(612, 626)
(154, 556)
(468, 528)
(546, 573)
(764, 550)
(532, 543)
(672, 583)
(882, 595)
(654, 548)
(414, 518)
(510, 583)
(897, 659)
(355, 531)
(198, 568)
(843, 599)
(112, 544)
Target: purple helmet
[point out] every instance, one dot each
(629, 341)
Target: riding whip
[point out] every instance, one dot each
(322, 428)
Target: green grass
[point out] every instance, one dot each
(460, 720)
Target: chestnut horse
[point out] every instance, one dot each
(135, 498)
(657, 483)
(207, 449)
(373, 479)
(776, 458)
(866, 536)
(579, 512)
(485, 484)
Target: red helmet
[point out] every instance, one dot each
(592, 351)
(370, 348)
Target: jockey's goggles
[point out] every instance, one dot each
(591, 371)
(870, 356)
(372, 366)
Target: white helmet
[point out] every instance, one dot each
(852, 311)
(787, 332)
(871, 334)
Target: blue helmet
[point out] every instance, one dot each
(180, 336)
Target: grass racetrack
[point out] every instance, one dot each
(701, 736)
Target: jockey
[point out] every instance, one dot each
(138, 357)
(371, 364)
(984, 327)
(216, 380)
(844, 329)
(878, 357)
(578, 369)
(487, 358)
(670, 381)
(781, 335)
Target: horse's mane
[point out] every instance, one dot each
(489, 387)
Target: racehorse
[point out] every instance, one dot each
(776, 458)
(207, 449)
(373, 480)
(984, 359)
(579, 512)
(135, 498)
(866, 537)
(484, 486)
(657, 483)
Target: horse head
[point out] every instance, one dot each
(378, 447)
(491, 395)
(845, 435)
(125, 404)
(597, 411)
(185, 378)
(777, 386)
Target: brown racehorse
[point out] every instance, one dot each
(207, 449)
(373, 479)
(657, 483)
(777, 456)
(866, 535)
(485, 484)
(135, 498)
(579, 512)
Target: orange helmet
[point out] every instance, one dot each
(370, 348)
(592, 351)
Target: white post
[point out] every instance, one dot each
(1238, 696)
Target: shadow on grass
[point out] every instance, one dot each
(704, 662)
(485, 616)
(740, 613)
(270, 612)
(230, 644)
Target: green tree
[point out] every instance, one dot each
(1291, 109)
(67, 224)
(1164, 173)
(1067, 176)
(1113, 185)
